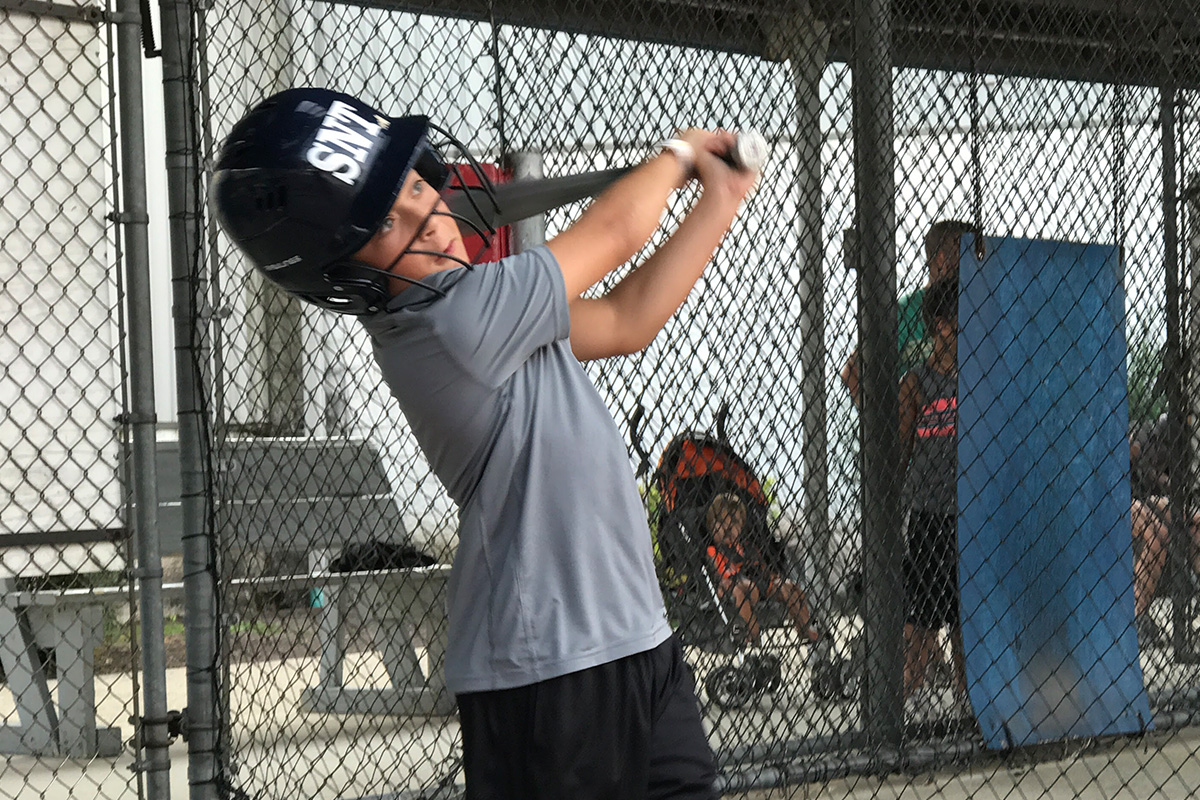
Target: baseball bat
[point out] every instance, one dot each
(519, 200)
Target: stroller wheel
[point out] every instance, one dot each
(768, 672)
(730, 687)
(852, 680)
(828, 679)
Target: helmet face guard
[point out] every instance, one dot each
(304, 180)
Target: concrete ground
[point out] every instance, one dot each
(1164, 766)
(284, 752)
(1157, 766)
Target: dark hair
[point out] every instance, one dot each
(724, 507)
(940, 302)
(944, 232)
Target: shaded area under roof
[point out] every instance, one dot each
(1109, 41)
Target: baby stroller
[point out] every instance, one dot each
(695, 468)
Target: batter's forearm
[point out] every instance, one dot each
(647, 297)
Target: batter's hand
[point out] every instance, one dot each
(714, 173)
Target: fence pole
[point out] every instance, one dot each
(803, 41)
(179, 55)
(879, 401)
(1191, 238)
(1174, 363)
(154, 740)
(527, 233)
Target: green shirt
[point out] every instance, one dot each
(914, 345)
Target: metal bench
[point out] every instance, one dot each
(71, 623)
(297, 502)
(289, 500)
(408, 606)
(283, 499)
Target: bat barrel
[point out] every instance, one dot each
(523, 199)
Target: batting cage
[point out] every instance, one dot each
(917, 454)
(70, 677)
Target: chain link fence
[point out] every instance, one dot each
(68, 623)
(1028, 121)
(327, 541)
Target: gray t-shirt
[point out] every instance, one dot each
(554, 571)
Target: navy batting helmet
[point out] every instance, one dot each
(303, 181)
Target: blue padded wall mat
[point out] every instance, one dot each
(1046, 565)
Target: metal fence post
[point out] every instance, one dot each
(1174, 363)
(876, 223)
(1191, 239)
(154, 738)
(179, 86)
(531, 232)
(803, 41)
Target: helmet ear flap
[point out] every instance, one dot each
(354, 287)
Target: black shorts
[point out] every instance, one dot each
(627, 729)
(931, 569)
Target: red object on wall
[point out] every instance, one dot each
(502, 239)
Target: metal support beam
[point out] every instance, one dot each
(63, 11)
(530, 232)
(154, 738)
(876, 224)
(190, 301)
(803, 41)
(1174, 363)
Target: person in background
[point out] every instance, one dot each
(743, 574)
(943, 243)
(1150, 514)
(929, 442)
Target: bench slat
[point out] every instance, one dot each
(304, 524)
(282, 467)
(109, 595)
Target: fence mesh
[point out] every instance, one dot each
(1019, 121)
(1007, 132)
(68, 646)
(1051, 142)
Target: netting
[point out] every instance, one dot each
(333, 678)
(995, 128)
(68, 645)
(916, 453)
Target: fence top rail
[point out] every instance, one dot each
(348, 579)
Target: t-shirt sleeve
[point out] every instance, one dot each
(910, 317)
(911, 330)
(501, 313)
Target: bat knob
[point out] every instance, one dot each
(750, 150)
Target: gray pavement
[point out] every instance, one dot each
(283, 751)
